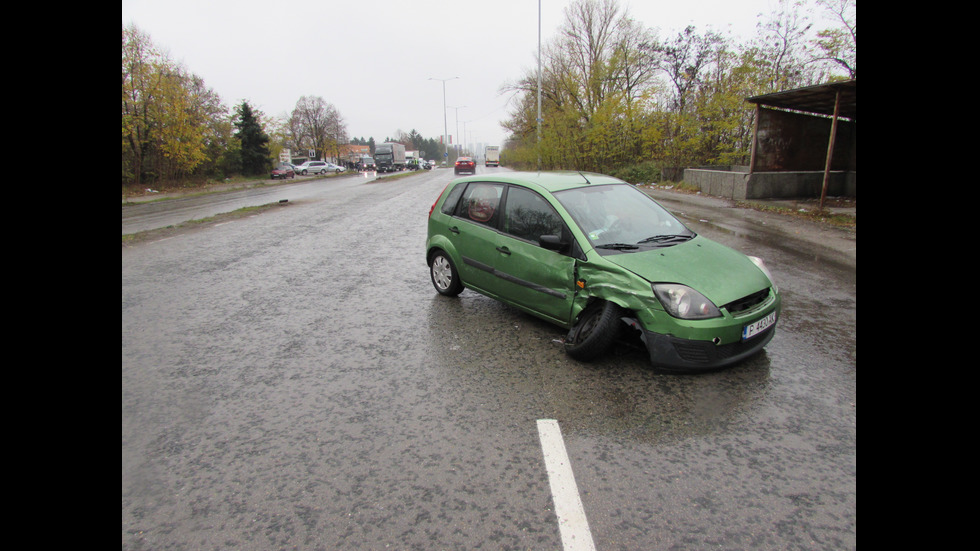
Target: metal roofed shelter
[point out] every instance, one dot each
(784, 138)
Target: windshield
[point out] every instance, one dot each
(621, 217)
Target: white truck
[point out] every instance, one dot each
(492, 156)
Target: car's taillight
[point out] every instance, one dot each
(433, 207)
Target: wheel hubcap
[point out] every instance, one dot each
(442, 274)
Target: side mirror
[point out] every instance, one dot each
(552, 242)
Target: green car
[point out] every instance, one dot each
(593, 254)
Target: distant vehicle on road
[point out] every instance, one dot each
(465, 164)
(283, 171)
(366, 164)
(335, 168)
(492, 156)
(390, 156)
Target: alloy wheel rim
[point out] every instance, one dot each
(441, 273)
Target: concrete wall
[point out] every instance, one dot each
(736, 183)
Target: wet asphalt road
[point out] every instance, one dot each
(290, 380)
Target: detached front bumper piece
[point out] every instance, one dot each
(691, 355)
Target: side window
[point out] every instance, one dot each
(528, 216)
(480, 203)
(449, 206)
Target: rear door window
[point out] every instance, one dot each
(480, 203)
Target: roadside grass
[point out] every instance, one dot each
(190, 187)
(196, 188)
(159, 233)
(398, 176)
(211, 187)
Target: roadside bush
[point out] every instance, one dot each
(644, 173)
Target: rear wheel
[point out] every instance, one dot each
(595, 331)
(445, 278)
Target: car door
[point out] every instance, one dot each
(474, 233)
(527, 274)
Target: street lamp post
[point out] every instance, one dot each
(458, 144)
(445, 123)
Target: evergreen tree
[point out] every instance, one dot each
(254, 140)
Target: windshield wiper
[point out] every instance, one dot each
(664, 238)
(617, 246)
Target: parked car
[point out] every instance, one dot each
(465, 164)
(283, 171)
(595, 255)
(312, 167)
(335, 168)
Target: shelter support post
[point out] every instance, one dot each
(755, 139)
(830, 149)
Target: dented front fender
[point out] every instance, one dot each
(609, 282)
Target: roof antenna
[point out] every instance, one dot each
(583, 176)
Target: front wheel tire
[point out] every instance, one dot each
(595, 331)
(445, 278)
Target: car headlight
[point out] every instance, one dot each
(683, 302)
(762, 266)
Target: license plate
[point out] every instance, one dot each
(754, 329)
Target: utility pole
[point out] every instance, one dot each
(539, 86)
(445, 123)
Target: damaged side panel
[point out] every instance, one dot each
(620, 287)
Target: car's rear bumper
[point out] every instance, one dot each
(672, 353)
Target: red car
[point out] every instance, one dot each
(283, 171)
(465, 164)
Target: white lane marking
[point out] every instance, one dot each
(574, 527)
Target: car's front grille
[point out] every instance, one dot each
(747, 302)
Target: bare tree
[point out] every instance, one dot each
(685, 60)
(318, 125)
(839, 46)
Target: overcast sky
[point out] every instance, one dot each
(373, 59)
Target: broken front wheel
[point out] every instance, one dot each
(595, 331)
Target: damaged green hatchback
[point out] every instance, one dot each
(595, 255)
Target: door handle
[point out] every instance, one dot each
(504, 250)
(454, 229)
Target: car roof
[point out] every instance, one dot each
(549, 181)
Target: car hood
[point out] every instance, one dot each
(718, 272)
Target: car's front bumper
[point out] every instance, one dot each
(669, 352)
(683, 345)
